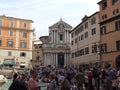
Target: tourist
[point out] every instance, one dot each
(52, 85)
(32, 83)
(65, 84)
(80, 80)
(18, 83)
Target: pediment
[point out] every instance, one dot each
(60, 24)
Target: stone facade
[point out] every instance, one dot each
(84, 37)
(56, 50)
(37, 54)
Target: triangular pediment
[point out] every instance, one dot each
(60, 23)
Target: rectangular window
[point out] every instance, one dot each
(23, 54)
(0, 32)
(75, 40)
(103, 48)
(0, 22)
(118, 45)
(81, 28)
(104, 5)
(71, 42)
(94, 48)
(117, 25)
(9, 53)
(10, 43)
(24, 35)
(24, 25)
(11, 33)
(114, 2)
(115, 11)
(76, 32)
(87, 50)
(93, 31)
(11, 24)
(86, 34)
(72, 35)
(104, 16)
(61, 37)
(86, 25)
(93, 21)
(72, 55)
(0, 42)
(103, 30)
(23, 44)
(82, 37)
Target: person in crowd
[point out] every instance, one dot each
(118, 75)
(86, 81)
(95, 77)
(65, 84)
(114, 82)
(32, 83)
(19, 84)
(89, 75)
(80, 80)
(52, 85)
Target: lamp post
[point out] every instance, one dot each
(98, 50)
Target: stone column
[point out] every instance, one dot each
(56, 59)
(45, 61)
(65, 58)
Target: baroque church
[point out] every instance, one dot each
(56, 47)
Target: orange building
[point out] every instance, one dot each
(16, 36)
(110, 32)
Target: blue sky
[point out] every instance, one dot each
(45, 13)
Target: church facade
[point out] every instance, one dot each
(56, 50)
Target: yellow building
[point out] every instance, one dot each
(16, 36)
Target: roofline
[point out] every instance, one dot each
(58, 22)
(4, 16)
(100, 1)
(84, 21)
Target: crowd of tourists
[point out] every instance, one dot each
(67, 78)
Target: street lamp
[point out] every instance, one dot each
(98, 50)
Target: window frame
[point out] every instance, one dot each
(24, 25)
(61, 37)
(117, 25)
(22, 54)
(10, 33)
(24, 34)
(0, 42)
(103, 30)
(23, 44)
(9, 53)
(118, 45)
(1, 22)
(11, 23)
(104, 5)
(114, 2)
(10, 43)
(0, 32)
(93, 31)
